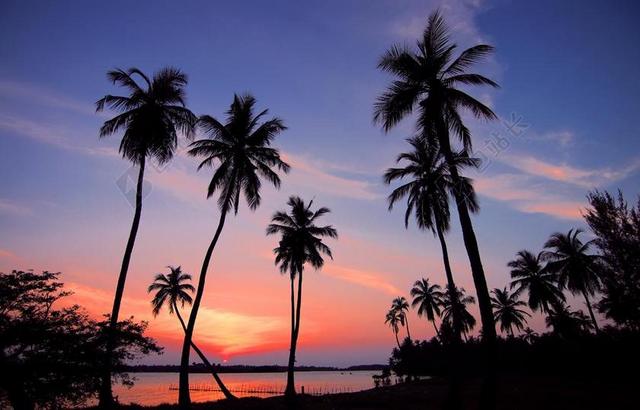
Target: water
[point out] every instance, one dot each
(158, 388)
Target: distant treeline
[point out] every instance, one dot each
(201, 368)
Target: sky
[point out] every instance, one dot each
(567, 124)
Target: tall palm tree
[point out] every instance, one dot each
(300, 243)
(393, 320)
(569, 257)
(401, 306)
(151, 117)
(241, 152)
(426, 79)
(507, 310)
(531, 275)
(427, 298)
(174, 289)
(428, 192)
(456, 309)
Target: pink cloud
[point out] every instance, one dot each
(373, 280)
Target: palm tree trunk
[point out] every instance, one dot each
(290, 390)
(593, 317)
(436, 329)
(106, 395)
(469, 237)
(451, 286)
(290, 365)
(397, 341)
(184, 399)
(406, 319)
(223, 388)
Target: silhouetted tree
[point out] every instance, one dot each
(576, 267)
(300, 243)
(567, 323)
(457, 308)
(529, 335)
(393, 320)
(428, 191)
(51, 356)
(401, 306)
(427, 298)
(151, 117)
(507, 312)
(241, 152)
(617, 229)
(426, 79)
(170, 290)
(528, 273)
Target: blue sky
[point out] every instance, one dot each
(568, 78)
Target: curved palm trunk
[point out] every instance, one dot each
(223, 388)
(406, 319)
(436, 329)
(451, 286)
(397, 341)
(106, 395)
(184, 399)
(593, 317)
(290, 390)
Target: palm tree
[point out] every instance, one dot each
(426, 79)
(393, 320)
(241, 151)
(428, 192)
(427, 298)
(567, 323)
(456, 309)
(529, 335)
(530, 275)
(401, 306)
(151, 117)
(568, 256)
(170, 290)
(300, 243)
(507, 311)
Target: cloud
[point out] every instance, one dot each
(7, 254)
(313, 174)
(10, 207)
(588, 178)
(373, 280)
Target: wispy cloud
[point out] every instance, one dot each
(13, 208)
(368, 279)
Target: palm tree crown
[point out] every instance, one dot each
(427, 298)
(151, 115)
(530, 275)
(430, 186)
(458, 309)
(507, 310)
(301, 239)
(171, 289)
(242, 148)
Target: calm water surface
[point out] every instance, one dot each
(158, 388)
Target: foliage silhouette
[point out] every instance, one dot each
(151, 116)
(456, 309)
(401, 307)
(300, 243)
(242, 150)
(428, 299)
(507, 312)
(529, 275)
(392, 318)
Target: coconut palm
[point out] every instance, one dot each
(241, 153)
(300, 244)
(456, 309)
(507, 310)
(401, 306)
(393, 320)
(151, 117)
(173, 289)
(529, 335)
(427, 298)
(577, 269)
(567, 323)
(529, 274)
(428, 192)
(426, 80)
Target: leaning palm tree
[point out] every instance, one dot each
(507, 310)
(456, 309)
(428, 192)
(401, 306)
(426, 79)
(300, 243)
(529, 274)
(427, 298)
(173, 289)
(576, 267)
(241, 153)
(393, 320)
(151, 117)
